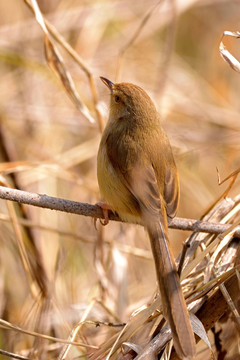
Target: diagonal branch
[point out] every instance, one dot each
(94, 211)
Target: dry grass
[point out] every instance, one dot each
(59, 276)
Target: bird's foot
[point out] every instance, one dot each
(105, 208)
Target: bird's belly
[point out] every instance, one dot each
(114, 192)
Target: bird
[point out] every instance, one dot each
(138, 179)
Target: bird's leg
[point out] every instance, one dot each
(105, 208)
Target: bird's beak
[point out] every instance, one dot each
(107, 82)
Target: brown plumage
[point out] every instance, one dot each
(138, 179)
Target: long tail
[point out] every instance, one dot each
(174, 305)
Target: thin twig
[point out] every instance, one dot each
(8, 326)
(13, 356)
(94, 211)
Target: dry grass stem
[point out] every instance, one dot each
(56, 63)
(68, 291)
(226, 55)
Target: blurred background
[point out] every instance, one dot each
(56, 269)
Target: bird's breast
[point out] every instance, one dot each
(113, 190)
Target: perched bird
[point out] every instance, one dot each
(138, 179)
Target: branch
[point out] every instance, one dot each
(94, 211)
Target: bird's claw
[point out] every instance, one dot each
(105, 207)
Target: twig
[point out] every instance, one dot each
(13, 356)
(94, 211)
(8, 326)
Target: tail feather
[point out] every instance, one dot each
(174, 305)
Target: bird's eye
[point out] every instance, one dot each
(117, 98)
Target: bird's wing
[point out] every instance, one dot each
(137, 175)
(171, 190)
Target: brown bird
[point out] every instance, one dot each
(138, 179)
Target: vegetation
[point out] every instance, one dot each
(67, 289)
